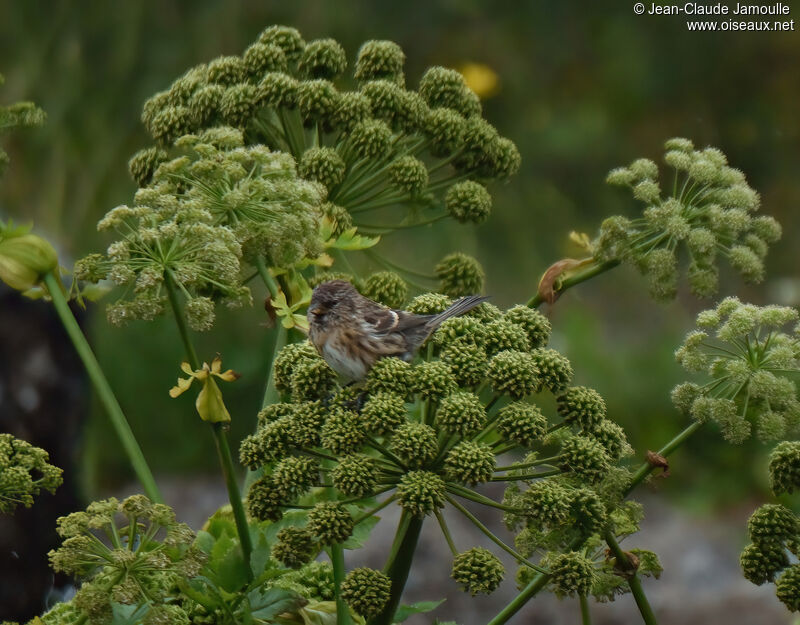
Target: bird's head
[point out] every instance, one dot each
(330, 300)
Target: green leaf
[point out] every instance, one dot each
(267, 604)
(204, 541)
(324, 613)
(349, 240)
(259, 557)
(199, 589)
(123, 614)
(361, 533)
(226, 566)
(221, 522)
(222, 545)
(404, 611)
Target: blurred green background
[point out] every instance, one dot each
(584, 87)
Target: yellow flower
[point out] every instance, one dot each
(209, 402)
(481, 78)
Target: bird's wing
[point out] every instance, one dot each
(380, 321)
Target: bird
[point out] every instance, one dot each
(352, 332)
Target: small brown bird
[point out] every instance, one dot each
(352, 332)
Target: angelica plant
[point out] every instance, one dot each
(272, 165)
(25, 471)
(133, 553)
(705, 211)
(426, 436)
(384, 157)
(750, 362)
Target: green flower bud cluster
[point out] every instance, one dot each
(367, 591)
(18, 115)
(572, 574)
(459, 275)
(784, 467)
(295, 547)
(552, 513)
(710, 213)
(25, 258)
(571, 494)
(25, 471)
(197, 218)
(478, 571)
(775, 533)
(386, 287)
(313, 581)
(750, 361)
(149, 552)
(424, 434)
(426, 151)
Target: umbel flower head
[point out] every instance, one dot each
(749, 361)
(784, 467)
(147, 553)
(366, 591)
(428, 434)
(385, 154)
(25, 471)
(201, 215)
(775, 532)
(709, 212)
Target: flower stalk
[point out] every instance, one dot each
(219, 431)
(634, 582)
(337, 560)
(103, 389)
(399, 566)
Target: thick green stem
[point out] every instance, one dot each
(220, 434)
(633, 581)
(398, 570)
(337, 560)
(103, 389)
(586, 618)
(234, 495)
(590, 272)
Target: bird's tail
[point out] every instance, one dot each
(464, 305)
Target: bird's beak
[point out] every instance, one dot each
(316, 311)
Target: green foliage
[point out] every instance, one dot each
(24, 473)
